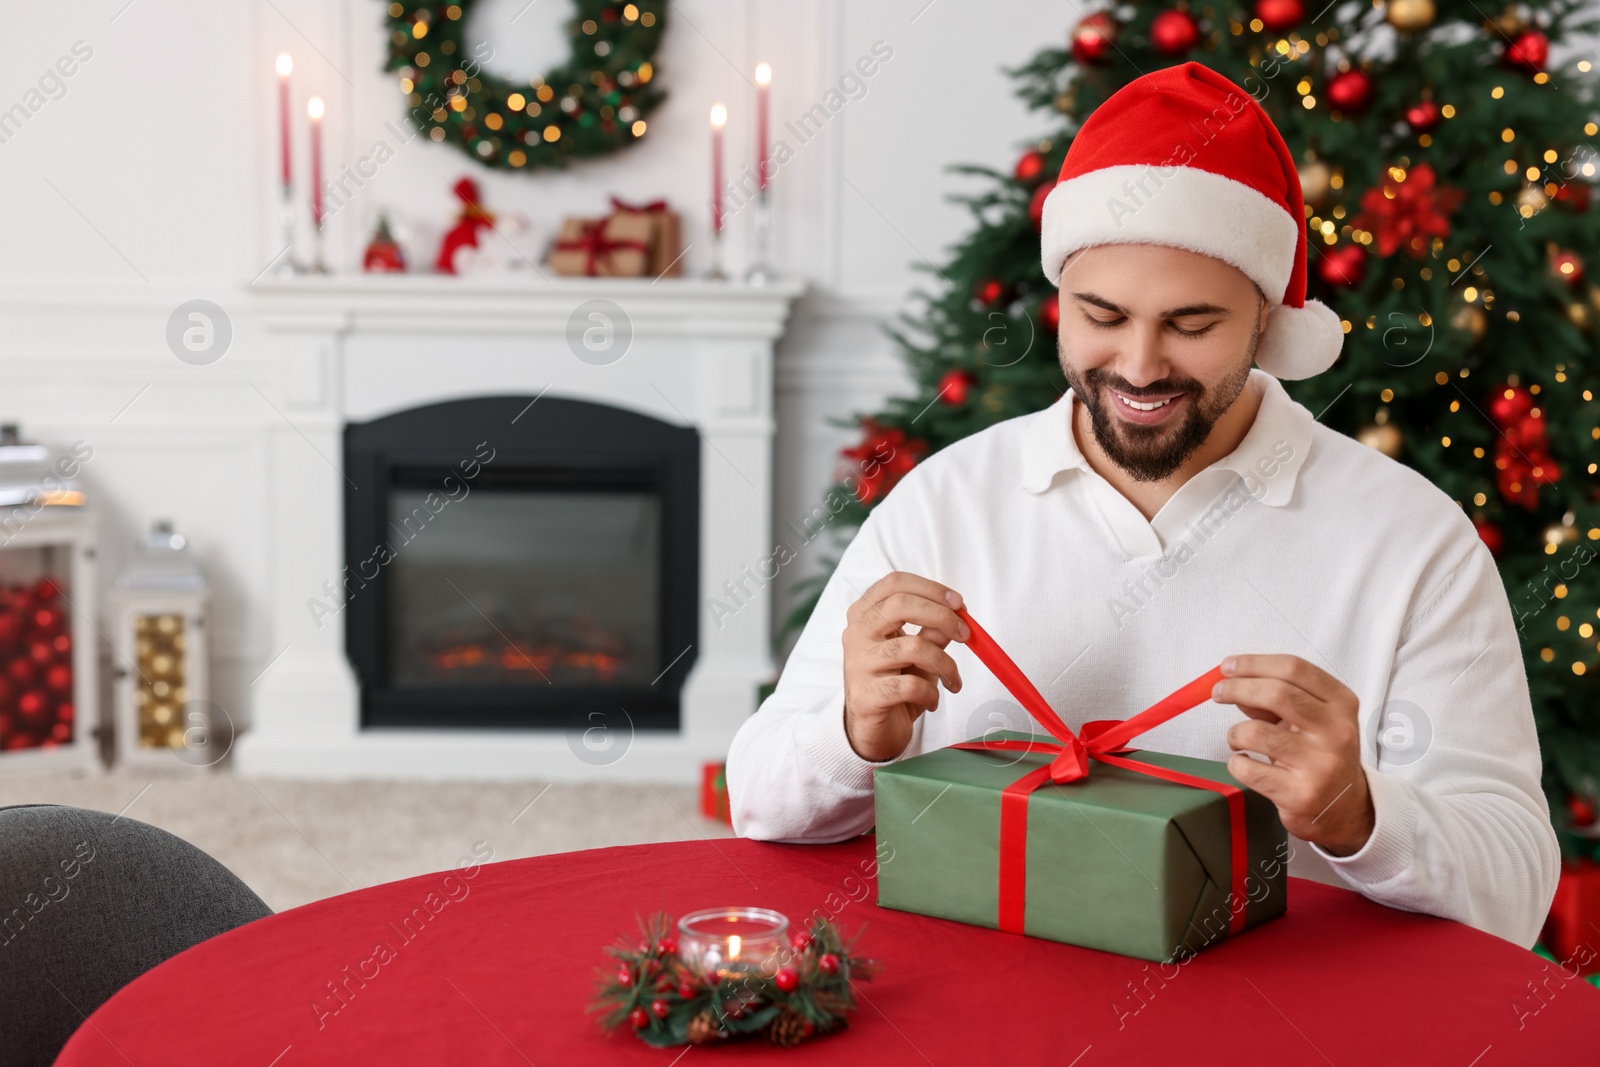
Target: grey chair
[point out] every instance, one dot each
(88, 902)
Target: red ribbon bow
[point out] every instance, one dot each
(1102, 740)
(642, 209)
(594, 243)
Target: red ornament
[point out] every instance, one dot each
(787, 979)
(1423, 115)
(1490, 535)
(1050, 313)
(1173, 33)
(1091, 38)
(1576, 195)
(828, 964)
(47, 619)
(46, 590)
(1407, 213)
(639, 1018)
(660, 1009)
(881, 460)
(32, 708)
(1029, 167)
(1567, 267)
(990, 291)
(1036, 205)
(61, 643)
(10, 627)
(39, 652)
(1528, 51)
(59, 678)
(1582, 810)
(1345, 265)
(63, 712)
(1278, 16)
(1349, 91)
(20, 671)
(954, 385)
(61, 732)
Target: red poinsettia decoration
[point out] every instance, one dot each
(1407, 212)
(882, 458)
(1522, 457)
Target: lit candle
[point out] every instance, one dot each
(314, 112)
(285, 66)
(725, 942)
(719, 119)
(763, 79)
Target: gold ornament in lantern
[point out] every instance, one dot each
(1316, 181)
(1471, 319)
(159, 605)
(1385, 438)
(1531, 200)
(1410, 15)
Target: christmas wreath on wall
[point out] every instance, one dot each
(595, 103)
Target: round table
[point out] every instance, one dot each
(498, 968)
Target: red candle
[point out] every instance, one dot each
(719, 119)
(763, 79)
(285, 66)
(314, 111)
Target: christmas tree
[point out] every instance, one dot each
(1447, 171)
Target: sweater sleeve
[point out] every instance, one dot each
(791, 773)
(1462, 824)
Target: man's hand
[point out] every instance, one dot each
(1305, 721)
(891, 677)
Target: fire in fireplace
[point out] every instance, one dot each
(521, 563)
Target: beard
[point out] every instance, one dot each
(1153, 453)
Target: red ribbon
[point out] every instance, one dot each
(1103, 740)
(594, 243)
(642, 209)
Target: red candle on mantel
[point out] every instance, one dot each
(285, 66)
(719, 119)
(314, 112)
(763, 79)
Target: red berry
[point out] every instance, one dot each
(660, 1008)
(667, 947)
(638, 1018)
(800, 942)
(685, 989)
(624, 977)
(787, 979)
(829, 963)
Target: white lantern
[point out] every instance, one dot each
(162, 714)
(48, 710)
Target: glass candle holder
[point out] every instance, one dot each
(734, 941)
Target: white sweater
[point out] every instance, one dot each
(1301, 541)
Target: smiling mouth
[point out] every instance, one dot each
(1146, 405)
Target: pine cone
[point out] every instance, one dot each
(703, 1029)
(789, 1028)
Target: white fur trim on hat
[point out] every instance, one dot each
(1184, 207)
(1299, 342)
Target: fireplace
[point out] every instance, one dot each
(520, 562)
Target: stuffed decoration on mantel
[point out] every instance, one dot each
(464, 234)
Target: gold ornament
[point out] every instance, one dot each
(1316, 181)
(1410, 15)
(1578, 315)
(1510, 22)
(1531, 200)
(1065, 102)
(1560, 534)
(1385, 438)
(160, 669)
(1470, 318)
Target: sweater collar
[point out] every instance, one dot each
(1281, 426)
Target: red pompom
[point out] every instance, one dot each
(1279, 15)
(1173, 33)
(787, 979)
(1345, 265)
(1349, 91)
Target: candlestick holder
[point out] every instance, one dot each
(287, 266)
(716, 273)
(733, 942)
(761, 271)
(319, 265)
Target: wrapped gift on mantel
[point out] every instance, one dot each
(634, 241)
(1140, 853)
(666, 240)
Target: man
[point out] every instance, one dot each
(1173, 511)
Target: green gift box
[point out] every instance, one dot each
(1117, 860)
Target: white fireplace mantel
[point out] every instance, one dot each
(357, 348)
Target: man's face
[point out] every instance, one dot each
(1145, 325)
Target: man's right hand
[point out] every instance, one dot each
(891, 677)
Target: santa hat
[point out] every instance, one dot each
(1184, 157)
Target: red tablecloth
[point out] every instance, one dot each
(503, 974)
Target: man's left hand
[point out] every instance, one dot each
(1305, 721)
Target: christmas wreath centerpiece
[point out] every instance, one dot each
(595, 103)
(670, 998)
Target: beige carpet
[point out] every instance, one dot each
(298, 841)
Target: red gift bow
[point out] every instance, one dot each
(642, 209)
(594, 243)
(1103, 739)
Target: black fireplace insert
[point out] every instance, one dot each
(521, 562)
